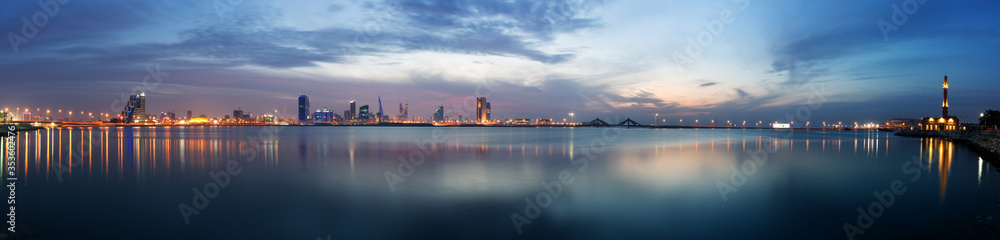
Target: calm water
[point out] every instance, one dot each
(348, 183)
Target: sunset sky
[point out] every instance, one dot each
(753, 60)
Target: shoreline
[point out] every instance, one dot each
(986, 143)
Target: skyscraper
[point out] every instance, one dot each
(189, 114)
(135, 110)
(363, 113)
(482, 110)
(303, 108)
(238, 114)
(354, 111)
(439, 114)
(379, 116)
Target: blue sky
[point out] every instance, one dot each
(717, 59)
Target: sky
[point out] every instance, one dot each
(737, 60)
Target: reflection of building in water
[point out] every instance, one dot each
(945, 122)
(945, 149)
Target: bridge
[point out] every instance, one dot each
(597, 122)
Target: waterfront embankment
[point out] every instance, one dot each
(984, 142)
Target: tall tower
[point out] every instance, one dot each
(303, 109)
(135, 110)
(944, 104)
(481, 110)
(354, 110)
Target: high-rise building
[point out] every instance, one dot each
(303, 108)
(238, 114)
(399, 117)
(135, 109)
(439, 114)
(482, 110)
(363, 113)
(354, 111)
(379, 116)
(189, 114)
(323, 115)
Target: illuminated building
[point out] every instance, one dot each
(482, 110)
(353, 112)
(520, 121)
(303, 108)
(900, 123)
(238, 115)
(543, 121)
(945, 122)
(363, 113)
(439, 114)
(135, 109)
(323, 115)
(379, 117)
(402, 112)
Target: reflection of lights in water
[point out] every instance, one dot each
(945, 150)
(979, 178)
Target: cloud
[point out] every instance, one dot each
(708, 84)
(741, 94)
(495, 27)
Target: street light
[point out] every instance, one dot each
(571, 117)
(655, 117)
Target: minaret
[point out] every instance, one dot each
(944, 104)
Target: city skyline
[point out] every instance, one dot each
(536, 60)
